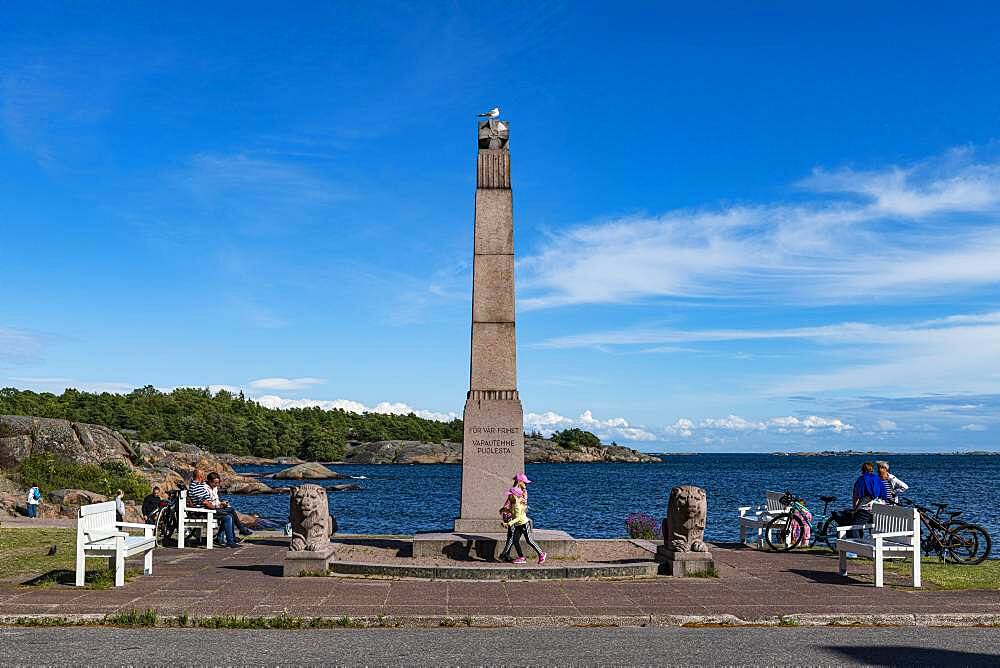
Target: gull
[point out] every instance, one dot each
(492, 113)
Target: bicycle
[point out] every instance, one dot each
(955, 540)
(166, 518)
(787, 531)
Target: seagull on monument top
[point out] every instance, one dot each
(492, 113)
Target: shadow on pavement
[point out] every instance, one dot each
(271, 570)
(901, 655)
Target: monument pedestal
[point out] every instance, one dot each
(492, 454)
(475, 545)
(298, 562)
(683, 563)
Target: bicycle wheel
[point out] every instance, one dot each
(784, 532)
(164, 527)
(968, 544)
(829, 534)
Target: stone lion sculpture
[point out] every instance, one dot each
(684, 525)
(309, 514)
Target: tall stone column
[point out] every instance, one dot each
(493, 444)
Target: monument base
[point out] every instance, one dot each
(683, 563)
(298, 562)
(476, 545)
(470, 525)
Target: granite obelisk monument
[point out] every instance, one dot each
(493, 443)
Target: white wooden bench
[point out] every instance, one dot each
(895, 532)
(99, 535)
(193, 517)
(756, 519)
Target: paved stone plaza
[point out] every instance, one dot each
(247, 582)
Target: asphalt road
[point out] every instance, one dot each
(910, 646)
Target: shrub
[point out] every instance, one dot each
(52, 473)
(576, 439)
(641, 525)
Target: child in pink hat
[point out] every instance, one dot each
(517, 526)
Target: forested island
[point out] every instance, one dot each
(223, 422)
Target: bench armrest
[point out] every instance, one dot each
(742, 510)
(848, 527)
(147, 529)
(102, 534)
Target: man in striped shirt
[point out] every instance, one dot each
(200, 495)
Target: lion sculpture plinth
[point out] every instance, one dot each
(309, 514)
(684, 525)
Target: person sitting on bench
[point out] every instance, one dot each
(223, 507)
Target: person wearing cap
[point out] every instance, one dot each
(518, 526)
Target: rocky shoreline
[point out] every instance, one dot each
(536, 450)
(168, 464)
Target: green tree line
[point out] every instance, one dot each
(227, 422)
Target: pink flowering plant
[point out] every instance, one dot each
(641, 525)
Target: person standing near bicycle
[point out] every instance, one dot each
(893, 485)
(151, 504)
(869, 489)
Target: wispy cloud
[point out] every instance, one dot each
(284, 384)
(930, 228)
(19, 346)
(959, 353)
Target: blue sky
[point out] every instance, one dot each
(738, 228)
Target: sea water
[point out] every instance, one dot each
(592, 500)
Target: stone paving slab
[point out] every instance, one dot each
(246, 582)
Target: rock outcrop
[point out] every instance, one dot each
(307, 471)
(540, 450)
(21, 437)
(449, 452)
(403, 452)
(165, 464)
(168, 465)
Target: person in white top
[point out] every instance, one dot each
(34, 497)
(893, 485)
(120, 505)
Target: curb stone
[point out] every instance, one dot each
(556, 621)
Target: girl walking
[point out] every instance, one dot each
(515, 516)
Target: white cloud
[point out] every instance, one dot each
(974, 427)
(732, 423)
(878, 234)
(812, 424)
(284, 384)
(385, 407)
(606, 430)
(682, 427)
(886, 425)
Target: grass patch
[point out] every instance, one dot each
(25, 551)
(709, 572)
(51, 472)
(952, 576)
(314, 574)
(935, 572)
(132, 617)
(785, 621)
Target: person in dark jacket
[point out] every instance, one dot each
(150, 504)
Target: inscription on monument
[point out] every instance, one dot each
(494, 440)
